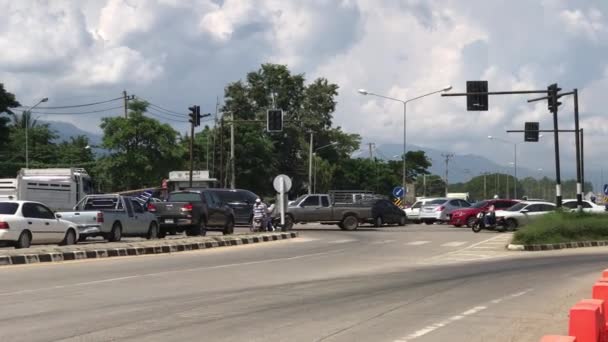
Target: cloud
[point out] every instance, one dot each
(179, 52)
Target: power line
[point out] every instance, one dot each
(78, 106)
(76, 113)
(159, 116)
(168, 111)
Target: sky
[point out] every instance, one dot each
(175, 53)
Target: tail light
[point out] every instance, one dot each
(151, 208)
(4, 225)
(440, 208)
(187, 207)
(99, 217)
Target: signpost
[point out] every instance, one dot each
(399, 191)
(282, 184)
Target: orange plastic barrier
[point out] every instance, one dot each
(605, 273)
(586, 321)
(557, 338)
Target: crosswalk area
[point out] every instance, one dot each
(491, 248)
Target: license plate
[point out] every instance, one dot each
(169, 221)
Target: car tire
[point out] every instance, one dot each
(69, 239)
(288, 223)
(378, 222)
(116, 233)
(24, 241)
(471, 221)
(350, 222)
(229, 227)
(428, 222)
(402, 221)
(152, 231)
(510, 224)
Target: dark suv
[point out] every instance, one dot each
(241, 201)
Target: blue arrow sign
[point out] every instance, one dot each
(398, 191)
(606, 189)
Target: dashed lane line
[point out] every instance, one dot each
(454, 244)
(417, 243)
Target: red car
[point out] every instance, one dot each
(467, 216)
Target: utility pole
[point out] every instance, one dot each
(485, 193)
(582, 161)
(447, 162)
(222, 180)
(424, 185)
(371, 150)
(191, 151)
(232, 174)
(217, 104)
(126, 103)
(310, 163)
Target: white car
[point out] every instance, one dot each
(588, 206)
(522, 213)
(23, 223)
(413, 212)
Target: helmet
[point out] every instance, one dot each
(495, 196)
(257, 200)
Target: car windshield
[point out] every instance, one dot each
(7, 208)
(517, 207)
(480, 204)
(230, 196)
(299, 199)
(184, 197)
(436, 202)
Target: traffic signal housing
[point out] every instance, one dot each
(477, 102)
(195, 115)
(553, 97)
(274, 120)
(531, 131)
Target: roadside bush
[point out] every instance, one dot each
(561, 227)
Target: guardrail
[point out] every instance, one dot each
(588, 318)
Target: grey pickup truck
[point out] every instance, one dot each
(193, 212)
(323, 208)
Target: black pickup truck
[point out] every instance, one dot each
(193, 212)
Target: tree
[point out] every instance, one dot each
(7, 101)
(75, 152)
(142, 150)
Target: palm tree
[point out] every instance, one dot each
(23, 119)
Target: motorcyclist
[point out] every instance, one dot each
(490, 217)
(260, 212)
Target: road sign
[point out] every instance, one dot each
(398, 191)
(286, 183)
(606, 189)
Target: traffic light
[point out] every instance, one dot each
(477, 102)
(274, 120)
(195, 115)
(531, 131)
(552, 100)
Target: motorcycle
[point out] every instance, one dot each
(480, 224)
(256, 224)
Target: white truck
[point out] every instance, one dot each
(112, 217)
(60, 189)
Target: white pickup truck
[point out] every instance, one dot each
(112, 216)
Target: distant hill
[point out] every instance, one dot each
(462, 167)
(65, 130)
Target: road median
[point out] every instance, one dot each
(561, 230)
(120, 249)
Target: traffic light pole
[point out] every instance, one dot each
(558, 181)
(191, 152)
(232, 175)
(579, 185)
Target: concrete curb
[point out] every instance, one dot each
(553, 246)
(167, 248)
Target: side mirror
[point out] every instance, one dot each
(524, 211)
(57, 215)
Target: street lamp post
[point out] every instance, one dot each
(27, 123)
(404, 102)
(314, 153)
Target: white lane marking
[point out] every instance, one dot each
(471, 246)
(454, 244)
(417, 243)
(169, 272)
(382, 242)
(430, 328)
(342, 241)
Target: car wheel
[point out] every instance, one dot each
(229, 228)
(402, 221)
(69, 239)
(511, 224)
(24, 241)
(350, 222)
(378, 222)
(115, 233)
(152, 231)
(471, 221)
(428, 222)
(288, 223)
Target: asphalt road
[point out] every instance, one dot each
(419, 283)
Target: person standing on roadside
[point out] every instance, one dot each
(260, 211)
